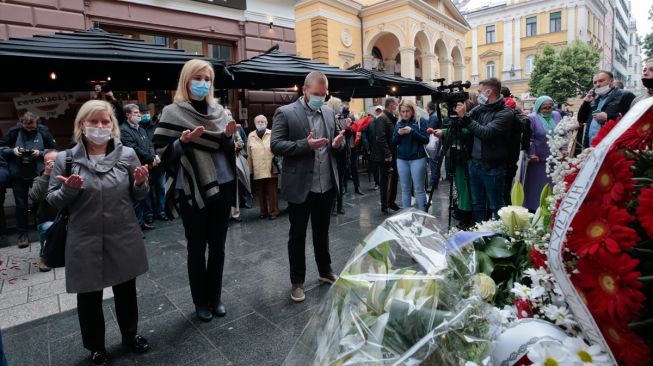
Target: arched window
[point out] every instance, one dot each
(490, 69)
(530, 64)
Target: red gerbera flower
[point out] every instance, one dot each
(645, 210)
(538, 259)
(640, 135)
(524, 309)
(614, 180)
(601, 228)
(627, 347)
(610, 284)
(604, 131)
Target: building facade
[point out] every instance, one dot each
(634, 70)
(506, 35)
(417, 39)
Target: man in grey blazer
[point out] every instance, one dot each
(305, 134)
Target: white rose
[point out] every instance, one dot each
(516, 218)
(484, 286)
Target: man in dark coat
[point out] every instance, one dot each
(134, 136)
(601, 104)
(384, 154)
(23, 147)
(490, 124)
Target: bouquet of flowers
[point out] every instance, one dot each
(406, 296)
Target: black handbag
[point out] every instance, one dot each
(54, 246)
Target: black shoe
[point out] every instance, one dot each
(384, 210)
(393, 206)
(138, 344)
(334, 212)
(203, 313)
(341, 211)
(162, 217)
(219, 310)
(330, 278)
(99, 358)
(358, 191)
(149, 220)
(245, 205)
(147, 226)
(236, 219)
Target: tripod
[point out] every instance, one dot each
(454, 147)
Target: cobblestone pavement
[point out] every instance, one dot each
(39, 320)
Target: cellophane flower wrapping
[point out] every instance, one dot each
(405, 297)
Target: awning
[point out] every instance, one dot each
(386, 84)
(275, 69)
(78, 60)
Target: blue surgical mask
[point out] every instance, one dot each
(199, 88)
(482, 98)
(145, 118)
(315, 102)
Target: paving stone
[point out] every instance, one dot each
(174, 282)
(211, 359)
(253, 349)
(47, 289)
(28, 311)
(67, 301)
(27, 348)
(18, 281)
(12, 298)
(166, 264)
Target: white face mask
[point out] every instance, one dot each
(97, 135)
(261, 128)
(482, 98)
(602, 90)
(135, 119)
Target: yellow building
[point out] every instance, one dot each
(417, 39)
(506, 35)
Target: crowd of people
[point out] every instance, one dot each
(120, 171)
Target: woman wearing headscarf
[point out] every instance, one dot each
(194, 141)
(104, 244)
(543, 122)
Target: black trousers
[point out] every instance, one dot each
(393, 180)
(91, 317)
(353, 167)
(317, 207)
(388, 182)
(207, 226)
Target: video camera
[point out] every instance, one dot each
(451, 94)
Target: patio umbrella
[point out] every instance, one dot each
(78, 60)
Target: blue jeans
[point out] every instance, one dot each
(42, 228)
(158, 189)
(435, 172)
(411, 176)
(487, 189)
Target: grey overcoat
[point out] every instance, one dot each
(104, 246)
(290, 129)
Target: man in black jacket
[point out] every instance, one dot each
(385, 155)
(134, 136)
(490, 123)
(601, 104)
(23, 147)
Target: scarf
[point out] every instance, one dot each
(199, 178)
(546, 120)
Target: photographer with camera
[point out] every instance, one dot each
(489, 123)
(23, 147)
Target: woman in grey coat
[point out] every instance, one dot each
(104, 246)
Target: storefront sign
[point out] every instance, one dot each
(236, 4)
(50, 105)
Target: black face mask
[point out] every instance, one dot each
(648, 83)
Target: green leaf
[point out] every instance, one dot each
(485, 263)
(517, 194)
(546, 192)
(498, 248)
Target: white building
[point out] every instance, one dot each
(634, 70)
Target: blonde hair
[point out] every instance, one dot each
(191, 68)
(334, 103)
(261, 117)
(90, 108)
(409, 104)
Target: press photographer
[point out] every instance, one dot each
(490, 124)
(23, 147)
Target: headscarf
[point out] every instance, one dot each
(547, 121)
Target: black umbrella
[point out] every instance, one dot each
(276, 69)
(385, 84)
(78, 60)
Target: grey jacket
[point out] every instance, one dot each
(104, 246)
(290, 129)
